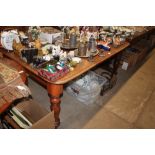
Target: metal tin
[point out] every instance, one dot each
(109, 38)
(102, 36)
(122, 38)
(92, 44)
(82, 49)
(73, 40)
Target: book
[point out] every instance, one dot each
(20, 119)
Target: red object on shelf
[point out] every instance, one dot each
(53, 76)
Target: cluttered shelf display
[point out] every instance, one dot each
(54, 52)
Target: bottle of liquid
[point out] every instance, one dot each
(92, 44)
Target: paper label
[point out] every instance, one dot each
(125, 66)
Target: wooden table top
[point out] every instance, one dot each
(81, 68)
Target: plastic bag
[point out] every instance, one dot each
(87, 89)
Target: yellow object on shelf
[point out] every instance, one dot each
(38, 43)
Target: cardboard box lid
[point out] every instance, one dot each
(42, 119)
(47, 122)
(33, 109)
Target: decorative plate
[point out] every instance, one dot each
(7, 39)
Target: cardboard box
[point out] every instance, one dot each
(41, 118)
(129, 59)
(1, 55)
(143, 45)
(152, 40)
(135, 53)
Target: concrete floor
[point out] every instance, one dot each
(76, 115)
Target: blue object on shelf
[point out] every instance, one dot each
(104, 47)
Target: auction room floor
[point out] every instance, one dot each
(78, 115)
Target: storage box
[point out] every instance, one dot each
(132, 58)
(152, 40)
(129, 59)
(50, 34)
(43, 71)
(28, 54)
(1, 55)
(41, 118)
(87, 88)
(135, 53)
(50, 38)
(143, 46)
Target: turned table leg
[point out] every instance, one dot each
(55, 92)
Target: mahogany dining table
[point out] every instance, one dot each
(55, 89)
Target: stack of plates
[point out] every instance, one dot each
(7, 38)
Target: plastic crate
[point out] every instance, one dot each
(87, 88)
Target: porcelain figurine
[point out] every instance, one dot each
(48, 57)
(63, 56)
(56, 50)
(38, 44)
